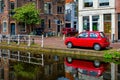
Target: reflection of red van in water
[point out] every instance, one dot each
(87, 67)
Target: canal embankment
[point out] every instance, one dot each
(55, 46)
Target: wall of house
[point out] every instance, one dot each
(40, 5)
(100, 11)
(117, 5)
(53, 17)
(5, 17)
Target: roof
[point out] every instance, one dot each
(69, 1)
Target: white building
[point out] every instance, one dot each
(99, 15)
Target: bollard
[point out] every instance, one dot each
(0, 39)
(33, 41)
(18, 39)
(46, 35)
(112, 38)
(29, 56)
(8, 39)
(42, 45)
(18, 55)
(29, 41)
(8, 54)
(58, 34)
(42, 59)
(63, 36)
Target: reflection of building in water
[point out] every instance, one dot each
(4, 69)
(52, 69)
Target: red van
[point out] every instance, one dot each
(91, 39)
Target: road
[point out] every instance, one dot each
(58, 42)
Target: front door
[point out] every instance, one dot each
(12, 28)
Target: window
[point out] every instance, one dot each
(48, 70)
(42, 23)
(59, 9)
(88, 3)
(76, 10)
(93, 35)
(47, 8)
(83, 35)
(75, 24)
(102, 34)
(103, 2)
(95, 22)
(4, 26)
(1, 6)
(118, 26)
(22, 27)
(49, 24)
(12, 6)
(86, 23)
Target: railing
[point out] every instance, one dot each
(18, 39)
(18, 56)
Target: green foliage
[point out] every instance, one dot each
(108, 55)
(25, 70)
(27, 14)
(112, 56)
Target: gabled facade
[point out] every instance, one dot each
(71, 14)
(51, 14)
(100, 15)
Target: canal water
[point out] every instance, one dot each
(16, 65)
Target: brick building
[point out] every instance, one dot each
(51, 14)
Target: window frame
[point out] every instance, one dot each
(22, 27)
(88, 3)
(95, 20)
(102, 4)
(86, 23)
(59, 9)
(2, 6)
(48, 8)
(4, 26)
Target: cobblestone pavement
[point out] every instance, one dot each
(115, 45)
(58, 42)
(54, 42)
